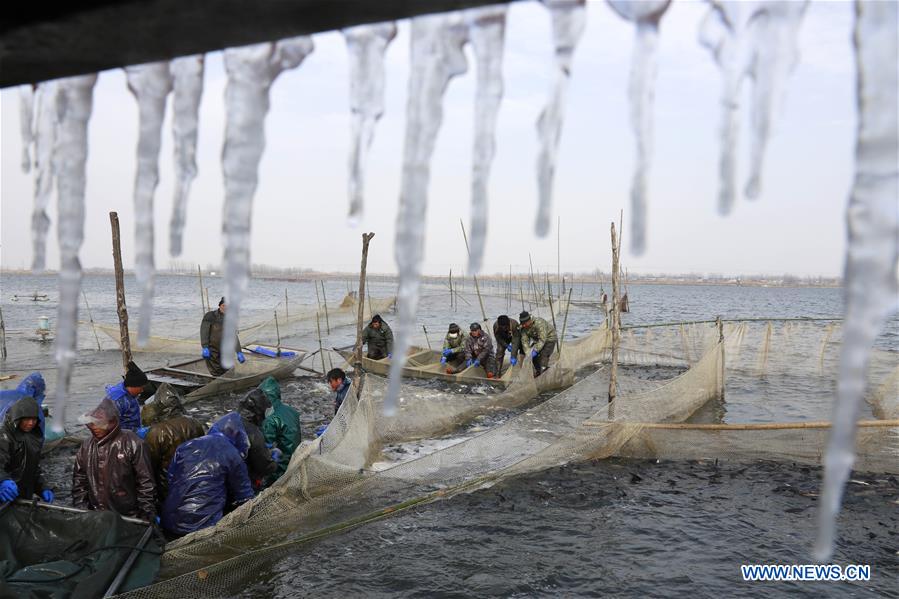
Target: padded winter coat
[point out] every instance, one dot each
(163, 439)
(129, 408)
(32, 385)
(20, 452)
(281, 428)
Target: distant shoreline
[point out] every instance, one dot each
(731, 281)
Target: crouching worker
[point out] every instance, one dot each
(281, 428)
(112, 468)
(21, 441)
(164, 437)
(207, 478)
(453, 349)
(124, 395)
(479, 350)
(541, 337)
(262, 461)
(340, 384)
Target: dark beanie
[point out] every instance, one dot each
(222, 301)
(453, 328)
(376, 318)
(474, 327)
(503, 321)
(524, 316)
(135, 377)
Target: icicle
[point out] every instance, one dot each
(568, 20)
(366, 45)
(150, 83)
(487, 31)
(436, 57)
(74, 105)
(26, 122)
(251, 72)
(755, 39)
(872, 255)
(641, 91)
(44, 144)
(187, 81)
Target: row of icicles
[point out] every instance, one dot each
(751, 41)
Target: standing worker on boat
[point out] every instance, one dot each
(124, 395)
(281, 427)
(454, 349)
(542, 339)
(379, 338)
(112, 468)
(21, 441)
(211, 339)
(479, 350)
(508, 337)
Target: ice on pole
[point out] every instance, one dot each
(45, 124)
(487, 32)
(26, 124)
(641, 91)
(74, 106)
(366, 45)
(187, 84)
(872, 254)
(251, 71)
(569, 18)
(436, 57)
(755, 39)
(150, 84)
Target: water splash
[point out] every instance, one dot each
(44, 143)
(187, 82)
(251, 72)
(641, 92)
(758, 40)
(872, 255)
(26, 124)
(487, 32)
(569, 18)
(436, 57)
(366, 45)
(74, 105)
(150, 84)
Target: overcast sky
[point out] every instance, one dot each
(797, 225)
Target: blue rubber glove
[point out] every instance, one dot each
(447, 353)
(533, 354)
(240, 357)
(476, 363)
(142, 432)
(47, 495)
(509, 347)
(321, 430)
(206, 353)
(157, 520)
(9, 490)
(270, 445)
(389, 356)
(468, 363)
(277, 454)
(513, 360)
(443, 360)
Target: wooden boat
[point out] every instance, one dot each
(425, 364)
(193, 381)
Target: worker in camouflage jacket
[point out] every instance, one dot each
(453, 357)
(508, 337)
(540, 338)
(379, 339)
(479, 350)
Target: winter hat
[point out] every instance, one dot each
(524, 316)
(376, 318)
(503, 321)
(135, 377)
(453, 328)
(474, 327)
(222, 301)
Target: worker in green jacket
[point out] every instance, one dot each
(453, 357)
(281, 426)
(540, 337)
(379, 338)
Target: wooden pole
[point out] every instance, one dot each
(278, 333)
(559, 256)
(565, 322)
(452, 304)
(476, 286)
(720, 325)
(423, 328)
(208, 306)
(121, 308)
(286, 308)
(357, 361)
(91, 318)
(2, 336)
(203, 301)
(321, 351)
(552, 313)
(325, 302)
(616, 332)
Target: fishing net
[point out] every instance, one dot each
(667, 375)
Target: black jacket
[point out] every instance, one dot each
(259, 459)
(20, 452)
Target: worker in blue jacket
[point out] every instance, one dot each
(124, 395)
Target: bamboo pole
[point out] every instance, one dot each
(325, 302)
(91, 318)
(286, 308)
(559, 255)
(357, 359)
(321, 351)
(721, 383)
(208, 306)
(318, 299)
(616, 333)
(552, 313)
(565, 322)
(423, 328)
(121, 308)
(476, 286)
(278, 333)
(203, 301)
(2, 336)
(452, 304)
(521, 295)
